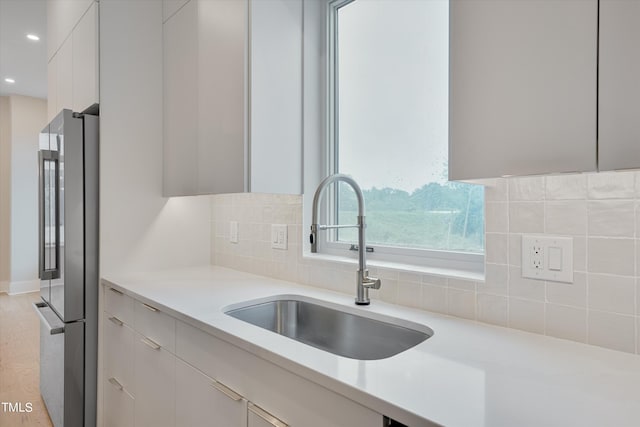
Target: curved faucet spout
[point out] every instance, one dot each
(364, 282)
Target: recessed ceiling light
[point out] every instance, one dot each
(33, 37)
(9, 80)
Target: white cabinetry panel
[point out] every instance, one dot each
(522, 87)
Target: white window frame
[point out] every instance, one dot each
(327, 242)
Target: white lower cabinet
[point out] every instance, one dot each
(202, 401)
(162, 372)
(118, 406)
(155, 381)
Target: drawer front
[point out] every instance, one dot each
(200, 399)
(118, 407)
(118, 304)
(154, 385)
(155, 325)
(118, 352)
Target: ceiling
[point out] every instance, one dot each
(22, 59)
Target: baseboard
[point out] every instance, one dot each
(23, 287)
(4, 287)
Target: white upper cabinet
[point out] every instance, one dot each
(62, 17)
(523, 87)
(85, 60)
(232, 101)
(619, 85)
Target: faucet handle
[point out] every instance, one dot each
(371, 282)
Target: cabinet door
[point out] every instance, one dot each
(118, 406)
(619, 85)
(222, 79)
(180, 83)
(202, 401)
(276, 96)
(522, 87)
(52, 88)
(64, 76)
(154, 384)
(85, 60)
(118, 353)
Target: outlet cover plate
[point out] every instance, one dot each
(547, 258)
(233, 232)
(279, 236)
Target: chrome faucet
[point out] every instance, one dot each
(364, 281)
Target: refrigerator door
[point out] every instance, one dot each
(62, 217)
(61, 368)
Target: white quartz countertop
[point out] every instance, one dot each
(466, 374)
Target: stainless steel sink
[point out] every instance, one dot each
(332, 329)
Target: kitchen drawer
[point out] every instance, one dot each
(155, 382)
(155, 325)
(118, 304)
(200, 399)
(118, 406)
(118, 352)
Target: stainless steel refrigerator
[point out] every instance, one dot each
(68, 268)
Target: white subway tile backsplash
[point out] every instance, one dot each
(612, 218)
(461, 303)
(611, 256)
(526, 217)
(566, 187)
(526, 315)
(497, 191)
(521, 287)
(496, 248)
(496, 217)
(526, 188)
(496, 280)
(409, 294)
(611, 185)
(574, 294)
(600, 211)
(434, 298)
(566, 322)
(615, 294)
(613, 331)
(493, 309)
(566, 217)
(515, 249)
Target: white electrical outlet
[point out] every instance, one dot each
(233, 231)
(547, 258)
(279, 236)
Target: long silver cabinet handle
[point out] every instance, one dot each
(116, 291)
(154, 345)
(226, 390)
(266, 416)
(115, 320)
(148, 307)
(116, 383)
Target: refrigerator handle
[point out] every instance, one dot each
(45, 156)
(53, 330)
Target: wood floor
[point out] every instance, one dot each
(20, 361)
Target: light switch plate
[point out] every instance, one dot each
(279, 236)
(233, 231)
(547, 258)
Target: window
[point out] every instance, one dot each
(388, 128)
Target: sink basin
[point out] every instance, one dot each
(332, 328)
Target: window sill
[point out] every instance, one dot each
(433, 271)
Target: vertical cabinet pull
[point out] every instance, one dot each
(150, 343)
(116, 383)
(148, 307)
(226, 391)
(115, 320)
(266, 416)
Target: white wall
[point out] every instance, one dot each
(5, 193)
(22, 120)
(140, 230)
